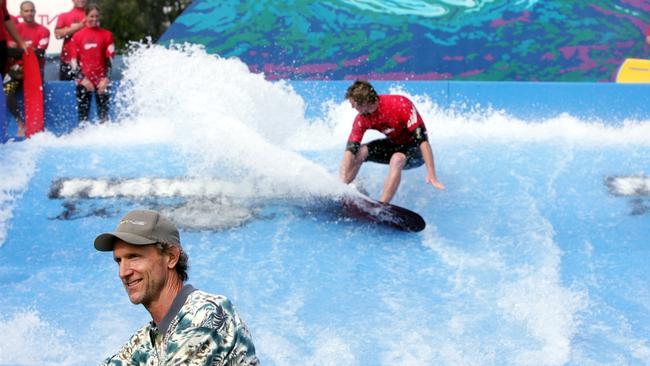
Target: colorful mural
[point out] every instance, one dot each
(551, 40)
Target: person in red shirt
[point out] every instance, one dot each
(67, 25)
(91, 54)
(406, 145)
(8, 29)
(36, 37)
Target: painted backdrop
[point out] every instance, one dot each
(421, 40)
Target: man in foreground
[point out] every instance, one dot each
(189, 327)
(406, 145)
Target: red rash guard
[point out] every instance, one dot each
(92, 47)
(395, 117)
(34, 35)
(76, 15)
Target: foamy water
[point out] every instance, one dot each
(486, 283)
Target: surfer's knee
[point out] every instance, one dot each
(398, 160)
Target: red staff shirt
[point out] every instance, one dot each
(92, 47)
(395, 117)
(35, 36)
(76, 15)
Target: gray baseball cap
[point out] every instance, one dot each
(140, 227)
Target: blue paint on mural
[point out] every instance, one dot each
(421, 40)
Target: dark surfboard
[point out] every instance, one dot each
(366, 209)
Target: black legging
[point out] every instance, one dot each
(3, 57)
(83, 104)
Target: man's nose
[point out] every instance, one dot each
(125, 269)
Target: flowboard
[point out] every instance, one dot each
(364, 208)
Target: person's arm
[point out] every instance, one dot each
(44, 40)
(353, 156)
(61, 31)
(427, 155)
(104, 83)
(420, 136)
(13, 32)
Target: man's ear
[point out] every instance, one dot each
(174, 253)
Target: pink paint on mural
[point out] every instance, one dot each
(525, 17)
(356, 61)
(400, 59)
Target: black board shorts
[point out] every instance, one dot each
(380, 151)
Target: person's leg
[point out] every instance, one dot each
(394, 177)
(414, 157)
(11, 88)
(83, 103)
(3, 58)
(102, 105)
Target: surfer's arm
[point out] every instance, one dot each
(420, 136)
(353, 147)
(355, 154)
(427, 155)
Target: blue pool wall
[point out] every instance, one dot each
(60, 108)
(607, 102)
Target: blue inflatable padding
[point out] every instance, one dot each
(3, 119)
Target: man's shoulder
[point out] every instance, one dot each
(202, 298)
(201, 307)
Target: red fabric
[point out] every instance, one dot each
(395, 117)
(647, 33)
(33, 93)
(76, 15)
(92, 47)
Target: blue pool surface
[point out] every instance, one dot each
(528, 258)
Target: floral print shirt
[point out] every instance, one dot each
(199, 329)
